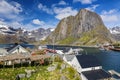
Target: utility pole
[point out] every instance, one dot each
(53, 49)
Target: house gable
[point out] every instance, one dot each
(68, 58)
(75, 64)
(18, 49)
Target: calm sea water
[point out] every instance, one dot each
(109, 60)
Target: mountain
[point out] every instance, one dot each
(86, 28)
(4, 29)
(41, 33)
(115, 31)
(11, 35)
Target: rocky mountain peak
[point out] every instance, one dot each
(77, 27)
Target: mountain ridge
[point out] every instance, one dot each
(17, 35)
(83, 29)
(115, 31)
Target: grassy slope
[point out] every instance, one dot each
(41, 74)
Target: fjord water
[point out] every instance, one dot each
(109, 60)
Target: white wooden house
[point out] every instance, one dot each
(70, 51)
(18, 49)
(59, 52)
(73, 51)
(88, 66)
(85, 63)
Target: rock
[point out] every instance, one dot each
(17, 78)
(22, 75)
(60, 71)
(76, 27)
(63, 77)
(63, 66)
(29, 72)
(28, 75)
(52, 68)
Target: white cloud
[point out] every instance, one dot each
(109, 12)
(37, 22)
(30, 26)
(9, 10)
(59, 12)
(45, 8)
(64, 12)
(62, 3)
(84, 1)
(93, 7)
(111, 17)
(2, 22)
(15, 24)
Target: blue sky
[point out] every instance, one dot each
(33, 14)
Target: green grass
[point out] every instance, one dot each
(41, 74)
(10, 73)
(68, 40)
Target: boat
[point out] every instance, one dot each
(115, 48)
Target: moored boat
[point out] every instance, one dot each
(115, 48)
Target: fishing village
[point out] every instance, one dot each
(59, 40)
(87, 67)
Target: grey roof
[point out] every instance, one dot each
(66, 50)
(87, 61)
(69, 57)
(14, 48)
(99, 74)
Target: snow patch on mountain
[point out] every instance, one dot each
(38, 34)
(115, 30)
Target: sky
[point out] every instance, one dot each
(33, 14)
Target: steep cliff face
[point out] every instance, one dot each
(85, 28)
